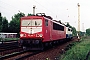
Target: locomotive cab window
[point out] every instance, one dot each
(31, 22)
(46, 22)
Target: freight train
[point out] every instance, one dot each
(41, 30)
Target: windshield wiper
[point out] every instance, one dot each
(28, 24)
(35, 23)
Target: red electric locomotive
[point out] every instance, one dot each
(39, 30)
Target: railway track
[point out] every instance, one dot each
(9, 47)
(53, 53)
(33, 55)
(10, 51)
(28, 55)
(19, 55)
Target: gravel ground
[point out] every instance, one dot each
(51, 54)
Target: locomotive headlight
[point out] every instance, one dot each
(40, 35)
(21, 35)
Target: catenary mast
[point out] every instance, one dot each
(78, 17)
(78, 34)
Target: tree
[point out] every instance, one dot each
(82, 33)
(14, 25)
(88, 31)
(0, 23)
(30, 14)
(68, 25)
(74, 32)
(4, 24)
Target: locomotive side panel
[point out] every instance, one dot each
(58, 31)
(54, 31)
(46, 30)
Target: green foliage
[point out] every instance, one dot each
(88, 58)
(14, 25)
(8, 39)
(0, 22)
(68, 25)
(81, 33)
(88, 32)
(30, 14)
(74, 32)
(78, 52)
(4, 24)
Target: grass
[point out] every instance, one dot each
(8, 39)
(78, 51)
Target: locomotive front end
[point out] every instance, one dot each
(31, 31)
(31, 28)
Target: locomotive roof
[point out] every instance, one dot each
(37, 17)
(27, 17)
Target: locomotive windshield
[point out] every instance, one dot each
(34, 22)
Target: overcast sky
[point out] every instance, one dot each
(64, 10)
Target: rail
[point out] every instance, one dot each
(11, 55)
(23, 57)
(18, 53)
